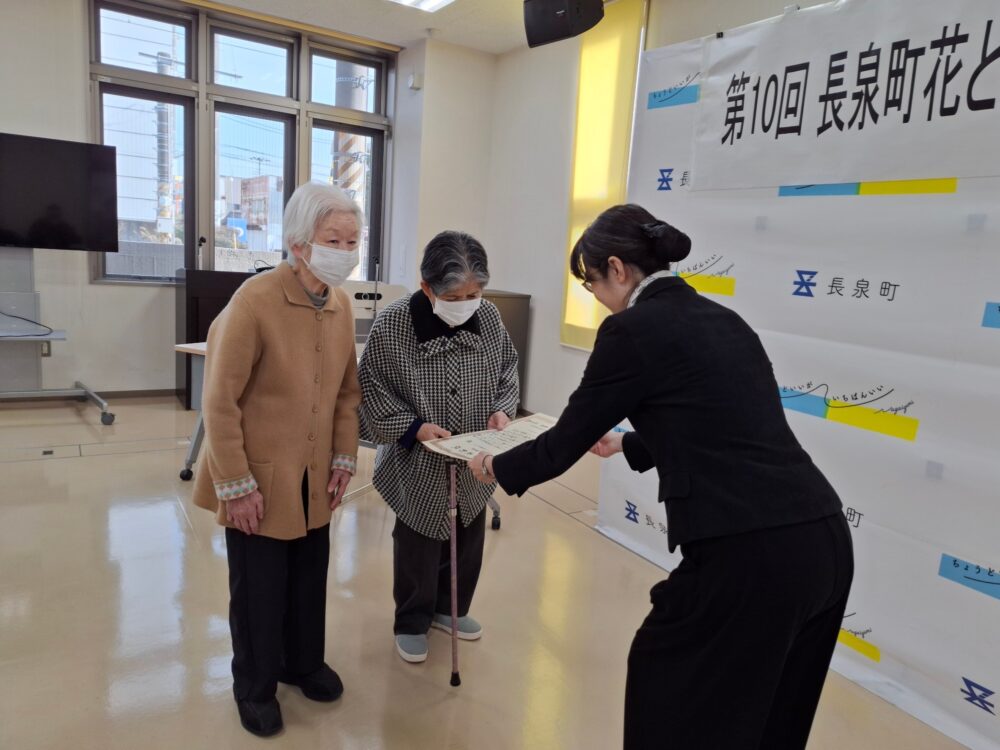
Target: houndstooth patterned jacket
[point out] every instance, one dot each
(415, 369)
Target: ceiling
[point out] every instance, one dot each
(494, 26)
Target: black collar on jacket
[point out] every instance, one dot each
(429, 326)
(660, 286)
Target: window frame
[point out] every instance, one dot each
(375, 215)
(203, 97)
(234, 31)
(163, 15)
(318, 49)
(99, 272)
(291, 146)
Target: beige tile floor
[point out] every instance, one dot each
(113, 630)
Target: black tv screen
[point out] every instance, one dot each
(59, 195)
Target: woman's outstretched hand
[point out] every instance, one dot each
(608, 445)
(481, 466)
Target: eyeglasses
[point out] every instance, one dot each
(588, 285)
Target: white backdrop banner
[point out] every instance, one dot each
(852, 92)
(630, 514)
(879, 304)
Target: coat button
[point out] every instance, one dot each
(316, 379)
(312, 466)
(453, 392)
(319, 347)
(319, 316)
(312, 496)
(315, 410)
(311, 436)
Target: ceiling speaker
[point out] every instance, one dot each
(551, 20)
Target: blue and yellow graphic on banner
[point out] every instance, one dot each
(862, 417)
(889, 187)
(674, 97)
(985, 580)
(860, 645)
(609, 59)
(991, 315)
(724, 285)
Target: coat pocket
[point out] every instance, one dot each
(674, 484)
(263, 474)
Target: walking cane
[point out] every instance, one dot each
(453, 512)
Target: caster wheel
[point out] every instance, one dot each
(495, 524)
(186, 475)
(107, 418)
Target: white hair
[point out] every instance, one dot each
(309, 205)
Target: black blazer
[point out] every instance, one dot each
(693, 379)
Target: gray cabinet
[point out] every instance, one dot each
(515, 313)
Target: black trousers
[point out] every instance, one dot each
(421, 574)
(277, 606)
(736, 649)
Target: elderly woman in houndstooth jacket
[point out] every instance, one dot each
(436, 363)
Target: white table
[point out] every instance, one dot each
(198, 352)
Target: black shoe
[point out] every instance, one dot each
(322, 685)
(262, 718)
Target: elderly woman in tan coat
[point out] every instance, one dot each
(281, 423)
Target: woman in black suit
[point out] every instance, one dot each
(735, 651)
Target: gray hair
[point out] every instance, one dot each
(452, 259)
(309, 205)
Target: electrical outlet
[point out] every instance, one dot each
(46, 348)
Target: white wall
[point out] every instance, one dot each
(407, 130)
(532, 148)
(120, 338)
(441, 150)
(458, 126)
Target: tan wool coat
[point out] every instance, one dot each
(281, 398)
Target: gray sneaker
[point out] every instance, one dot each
(468, 628)
(413, 648)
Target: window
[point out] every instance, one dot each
(143, 43)
(246, 63)
(213, 137)
(251, 188)
(151, 136)
(351, 159)
(344, 83)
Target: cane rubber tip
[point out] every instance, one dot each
(455, 679)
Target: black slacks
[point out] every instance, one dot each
(735, 651)
(421, 568)
(277, 607)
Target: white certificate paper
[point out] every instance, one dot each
(466, 446)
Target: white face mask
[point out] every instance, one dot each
(330, 265)
(456, 313)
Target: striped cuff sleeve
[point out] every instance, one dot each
(346, 463)
(235, 488)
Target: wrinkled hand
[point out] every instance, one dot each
(246, 512)
(430, 431)
(608, 445)
(475, 465)
(498, 421)
(339, 480)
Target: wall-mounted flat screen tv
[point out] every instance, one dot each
(59, 195)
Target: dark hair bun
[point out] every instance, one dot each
(670, 245)
(633, 235)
